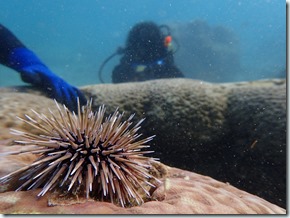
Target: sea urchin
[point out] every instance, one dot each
(101, 159)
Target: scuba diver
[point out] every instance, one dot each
(147, 55)
(16, 56)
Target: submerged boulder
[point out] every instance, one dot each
(233, 132)
(181, 192)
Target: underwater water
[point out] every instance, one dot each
(74, 37)
(214, 40)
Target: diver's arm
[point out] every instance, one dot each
(8, 42)
(15, 55)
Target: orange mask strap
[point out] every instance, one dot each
(167, 41)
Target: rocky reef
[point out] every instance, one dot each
(232, 132)
(182, 192)
(207, 52)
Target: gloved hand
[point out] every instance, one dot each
(33, 71)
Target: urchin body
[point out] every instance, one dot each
(102, 159)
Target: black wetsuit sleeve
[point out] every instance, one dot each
(8, 42)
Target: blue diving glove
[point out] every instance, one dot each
(33, 71)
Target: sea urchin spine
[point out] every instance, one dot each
(104, 159)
